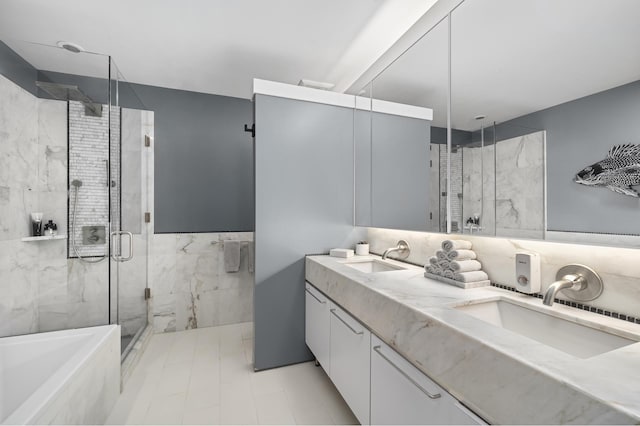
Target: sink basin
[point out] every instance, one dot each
(374, 265)
(561, 333)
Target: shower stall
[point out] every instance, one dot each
(75, 145)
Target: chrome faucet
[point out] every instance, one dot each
(580, 282)
(402, 248)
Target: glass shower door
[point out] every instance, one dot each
(131, 134)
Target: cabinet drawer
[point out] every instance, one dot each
(350, 361)
(317, 325)
(402, 394)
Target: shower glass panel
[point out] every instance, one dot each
(130, 188)
(72, 147)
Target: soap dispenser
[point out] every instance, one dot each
(527, 272)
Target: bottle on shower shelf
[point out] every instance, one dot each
(50, 228)
(36, 224)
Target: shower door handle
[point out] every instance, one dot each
(118, 257)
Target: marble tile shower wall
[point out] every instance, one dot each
(618, 267)
(190, 286)
(493, 182)
(40, 290)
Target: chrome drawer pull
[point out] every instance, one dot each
(416, 384)
(333, 311)
(315, 297)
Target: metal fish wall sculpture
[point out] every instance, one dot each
(619, 171)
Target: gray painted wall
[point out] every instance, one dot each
(203, 161)
(203, 157)
(304, 205)
(580, 133)
(392, 171)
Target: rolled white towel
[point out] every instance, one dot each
(444, 264)
(448, 274)
(465, 265)
(433, 260)
(441, 255)
(428, 268)
(471, 277)
(436, 270)
(461, 255)
(448, 245)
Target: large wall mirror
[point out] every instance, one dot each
(547, 84)
(401, 148)
(545, 128)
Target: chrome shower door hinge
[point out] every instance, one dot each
(147, 217)
(147, 140)
(147, 293)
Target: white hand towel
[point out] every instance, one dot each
(471, 277)
(461, 254)
(428, 268)
(465, 265)
(441, 255)
(232, 256)
(433, 260)
(448, 274)
(448, 245)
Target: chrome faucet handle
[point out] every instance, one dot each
(577, 282)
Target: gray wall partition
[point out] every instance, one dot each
(304, 205)
(392, 171)
(400, 172)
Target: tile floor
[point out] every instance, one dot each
(205, 376)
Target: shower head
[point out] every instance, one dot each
(68, 92)
(77, 183)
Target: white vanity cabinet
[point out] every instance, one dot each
(350, 352)
(402, 394)
(316, 326)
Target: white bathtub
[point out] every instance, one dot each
(62, 377)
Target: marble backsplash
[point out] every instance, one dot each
(190, 286)
(618, 267)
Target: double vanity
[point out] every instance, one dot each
(402, 348)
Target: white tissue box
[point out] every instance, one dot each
(341, 252)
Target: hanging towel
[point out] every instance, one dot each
(448, 245)
(448, 274)
(251, 256)
(441, 255)
(471, 277)
(461, 254)
(465, 265)
(232, 256)
(433, 260)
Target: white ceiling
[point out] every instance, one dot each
(210, 46)
(513, 57)
(510, 57)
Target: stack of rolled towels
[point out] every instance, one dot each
(456, 261)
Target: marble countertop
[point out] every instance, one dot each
(504, 377)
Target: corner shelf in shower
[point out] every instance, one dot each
(45, 238)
